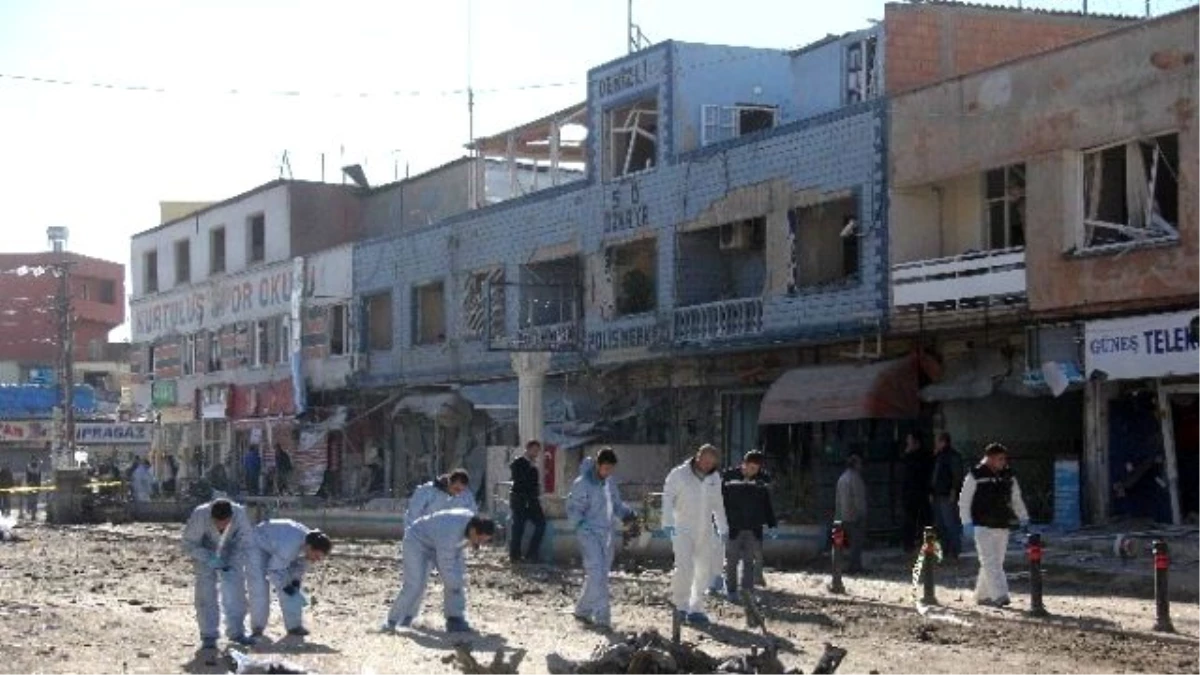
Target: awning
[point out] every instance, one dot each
(447, 408)
(973, 375)
(883, 390)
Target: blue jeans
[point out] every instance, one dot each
(945, 515)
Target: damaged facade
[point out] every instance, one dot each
(723, 263)
(1043, 221)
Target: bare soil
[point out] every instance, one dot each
(106, 599)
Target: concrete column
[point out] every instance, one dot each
(1095, 453)
(530, 368)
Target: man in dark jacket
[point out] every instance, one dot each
(947, 477)
(526, 504)
(914, 492)
(748, 508)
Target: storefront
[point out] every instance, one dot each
(1141, 416)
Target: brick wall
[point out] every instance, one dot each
(928, 43)
(836, 152)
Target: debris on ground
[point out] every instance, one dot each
(6, 529)
(244, 664)
(466, 662)
(649, 652)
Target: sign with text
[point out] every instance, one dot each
(1153, 345)
(164, 393)
(221, 301)
(627, 77)
(86, 433)
(625, 209)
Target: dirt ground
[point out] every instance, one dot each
(107, 599)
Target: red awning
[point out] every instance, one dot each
(853, 391)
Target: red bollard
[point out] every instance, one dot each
(1162, 601)
(838, 540)
(929, 555)
(1033, 547)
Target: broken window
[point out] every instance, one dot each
(826, 240)
(256, 238)
(632, 137)
(862, 74)
(150, 271)
(721, 123)
(216, 250)
(1004, 195)
(429, 304)
(1131, 192)
(379, 321)
(339, 330)
(550, 292)
(634, 273)
(108, 292)
(189, 354)
(214, 352)
(183, 262)
(261, 349)
(483, 302)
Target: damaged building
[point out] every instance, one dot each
(718, 270)
(1043, 228)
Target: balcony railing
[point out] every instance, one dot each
(719, 320)
(959, 281)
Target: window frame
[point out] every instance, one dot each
(213, 267)
(331, 329)
(256, 219)
(418, 340)
(183, 263)
(150, 280)
(729, 119)
(611, 130)
(1169, 236)
(370, 343)
(1008, 199)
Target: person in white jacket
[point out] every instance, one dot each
(691, 504)
(989, 503)
(143, 481)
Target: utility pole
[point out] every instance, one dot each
(62, 269)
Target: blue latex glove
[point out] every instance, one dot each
(217, 563)
(969, 530)
(579, 528)
(670, 531)
(772, 533)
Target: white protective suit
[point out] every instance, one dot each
(219, 557)
(438, 539)
(276, 561)
(991, 543)
(143, 483)
(592, 506)
(435, 496)
(691, 504)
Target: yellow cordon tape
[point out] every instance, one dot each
(52, 488)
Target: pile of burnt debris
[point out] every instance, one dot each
(649, 652)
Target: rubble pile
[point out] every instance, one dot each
(649, 652)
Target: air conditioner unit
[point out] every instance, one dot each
(736, 236)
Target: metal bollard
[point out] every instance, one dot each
(929, 551)
(676, 627)
(1033, 547)
(838, 540)
(1162, 600)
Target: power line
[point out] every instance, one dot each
(279, 93)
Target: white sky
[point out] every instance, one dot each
(100, 160)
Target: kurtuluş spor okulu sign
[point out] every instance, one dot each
(219, 302)
(86, 433)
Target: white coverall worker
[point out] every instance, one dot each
(435, 496)
(691, 503)
(218, 556)
(277, 561)
(987, 505)
(438, 539)
(143, 483)
(591, 509)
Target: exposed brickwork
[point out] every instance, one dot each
(929, 43)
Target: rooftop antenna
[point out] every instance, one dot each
(636, 38)
(285, 166)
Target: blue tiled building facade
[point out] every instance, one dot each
(735, 200)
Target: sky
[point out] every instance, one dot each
(202, 98)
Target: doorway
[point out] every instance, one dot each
(1185, 413)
